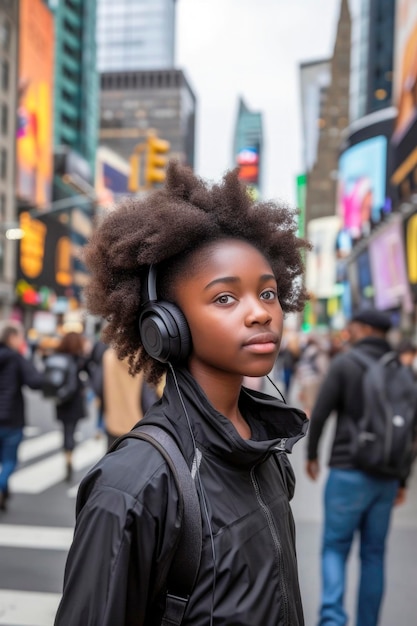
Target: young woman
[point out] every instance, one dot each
(71, 406)
(230, 268)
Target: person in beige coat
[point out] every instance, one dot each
(122, 396)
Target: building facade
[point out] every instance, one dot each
(372, 56)
(8, 107)
(76, 81)
(314, 83)
(135, 34)
(134, 103)
(322, 179)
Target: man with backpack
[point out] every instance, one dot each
(375, 400)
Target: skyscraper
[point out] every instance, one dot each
(135, 35)
(371, 56)
(8, 105)
(76, 79)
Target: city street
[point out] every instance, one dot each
(36, 530)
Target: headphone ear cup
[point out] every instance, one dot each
(164, 332)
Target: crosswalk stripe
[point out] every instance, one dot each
(27, 608)
(31, 448)
(38, 537)
(42, 475)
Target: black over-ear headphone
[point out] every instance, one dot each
(163, 328)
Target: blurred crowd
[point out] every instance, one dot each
(72, 371)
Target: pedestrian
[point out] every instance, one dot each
(71, 401)
(95, 373)
(311, 369)
(15, 372)
(356, 501)
(126, 397)
(211, 262)
(406, 351)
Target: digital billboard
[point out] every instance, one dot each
(321, 260)
(34, 140)
(405, 67)
(410, 233)
(112, 176)
(247, 160)
(388, 266)
(362, 185)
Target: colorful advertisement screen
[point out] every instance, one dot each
(405, 67)
(321, 260)
(248, 161)
(389, 273)
(34, 141)
(362, 185)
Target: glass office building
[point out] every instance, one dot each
(135, 35)
(371, 56)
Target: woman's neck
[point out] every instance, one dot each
(223, 394)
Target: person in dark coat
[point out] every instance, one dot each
(72, 409)
(224, 268)
(355, 501)
(15, 373)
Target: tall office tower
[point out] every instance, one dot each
(135, 35)
(314, 84)
(247, 147)
(76, 81)
(8, 106)
(372, 56)
(136, 103)
(322, 178)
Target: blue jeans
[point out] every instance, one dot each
(355, 502)
(10, 439)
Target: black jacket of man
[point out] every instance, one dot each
(15, 372)
(128, 520)
(341, 392)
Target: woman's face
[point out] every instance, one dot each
(231, 304)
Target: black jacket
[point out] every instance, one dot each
(127, 520)
(15, 372)
(341, 391)
(73, 409)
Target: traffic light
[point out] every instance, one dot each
(133, 182)
(156, 160)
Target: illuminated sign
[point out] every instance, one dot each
(35, 112)
(45, 254)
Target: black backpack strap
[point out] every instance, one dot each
(184, 568)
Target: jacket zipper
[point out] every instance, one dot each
(277, 544)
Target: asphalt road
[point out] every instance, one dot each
(36, 530)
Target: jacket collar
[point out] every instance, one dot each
(275, 425)
(374, 346)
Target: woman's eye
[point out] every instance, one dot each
(224, 299)
(269, 294)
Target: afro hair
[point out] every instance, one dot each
(167, 225)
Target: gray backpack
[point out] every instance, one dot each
(383, 442)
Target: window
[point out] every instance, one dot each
(5, 35)
(5, 75)
(4, 119)
(3, 164)
(2, 207)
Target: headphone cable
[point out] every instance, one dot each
(202, 491)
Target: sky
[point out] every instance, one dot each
(252, 48)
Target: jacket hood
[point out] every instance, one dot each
(275, 426)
